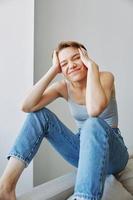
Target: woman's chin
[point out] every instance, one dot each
(76, 78)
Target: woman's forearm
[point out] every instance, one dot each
(95, 95)
(38, 89)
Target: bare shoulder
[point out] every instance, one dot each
(61, 87)
(106, 78)
(106, 75)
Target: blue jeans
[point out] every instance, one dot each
(96, 149)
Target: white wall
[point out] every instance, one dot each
(106, 28)
(16, 75)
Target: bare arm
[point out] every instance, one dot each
(99, 86)
(98, 91)
(40, 95)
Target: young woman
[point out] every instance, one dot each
(97, 149)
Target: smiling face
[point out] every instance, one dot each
(71, 65)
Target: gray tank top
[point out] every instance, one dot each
(80, 114)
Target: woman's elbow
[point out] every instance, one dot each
(24, 109)
(95, 112)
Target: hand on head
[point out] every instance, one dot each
(85, 57)
(56, 63)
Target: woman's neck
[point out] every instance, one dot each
(81, 85)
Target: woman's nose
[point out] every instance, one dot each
(72, 65)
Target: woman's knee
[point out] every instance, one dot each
(42, 113)
(92, 122)
(38, 117)
(94, 126)
(42, 110)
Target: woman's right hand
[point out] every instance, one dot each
(56, 63)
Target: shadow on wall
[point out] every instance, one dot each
(130, 1)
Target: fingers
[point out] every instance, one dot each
(55, 56)
(85, 57)
(80, 51)
(83, 51)
(54, 53)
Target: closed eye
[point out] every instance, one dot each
(76, 57)
(63, 65)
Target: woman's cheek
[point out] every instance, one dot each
(63, 71)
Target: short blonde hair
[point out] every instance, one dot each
(65, 44)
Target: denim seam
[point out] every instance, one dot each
(46, 118)
(105, 124)
(64, 136)
(100, 178)
(103, 162)
(35, 144)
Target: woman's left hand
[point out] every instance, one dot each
(85, 57)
